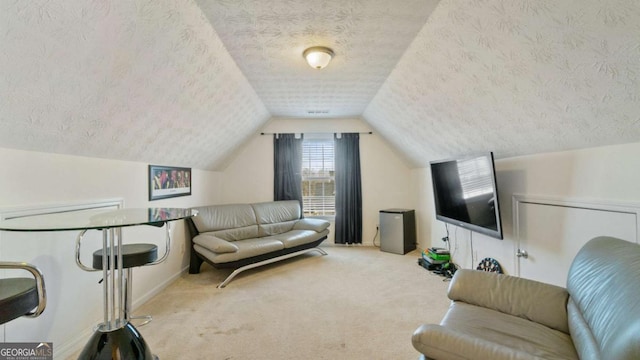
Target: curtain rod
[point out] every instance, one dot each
(338, 132)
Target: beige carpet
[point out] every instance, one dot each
(355, 303)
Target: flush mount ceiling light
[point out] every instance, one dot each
(318, 57)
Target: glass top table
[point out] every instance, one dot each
(116, 337)
(95, 219)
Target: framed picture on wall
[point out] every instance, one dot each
(168, 181)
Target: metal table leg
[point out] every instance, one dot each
(115, 338)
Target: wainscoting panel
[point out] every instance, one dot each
(552, 230)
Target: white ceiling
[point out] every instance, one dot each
(266, 39)
(515, 77)
(186, 82)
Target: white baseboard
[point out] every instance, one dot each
(156, 290)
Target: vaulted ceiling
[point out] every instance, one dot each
(186, 82)
(267, 38)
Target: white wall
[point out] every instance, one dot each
(610, 173)
(32, 179)
(387, 181)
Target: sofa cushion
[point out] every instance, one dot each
(241, 233)
(277, 211)
(473, 332)
(276, 217)
(528, 299)
(246, 248)
(215, 244)
(604, 287)
(276, 228)
(317, 225)
(295, 238)
(221, 217)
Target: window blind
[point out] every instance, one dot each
(318, 177)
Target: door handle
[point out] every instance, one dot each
(522, 253)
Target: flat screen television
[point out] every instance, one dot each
(466, 195)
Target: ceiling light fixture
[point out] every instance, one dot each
(318, 57)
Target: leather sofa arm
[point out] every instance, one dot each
(215, 244)
(438, 342)
(317, 225)
(532, 300)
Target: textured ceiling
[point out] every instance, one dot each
(145, 81)
(186, 82)
(515, 77)
(267, 38)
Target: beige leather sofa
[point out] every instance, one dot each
(245, 236)
(496, 316)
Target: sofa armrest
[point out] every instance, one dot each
(532, 300)
(438, 342)
(215, 244)
(317, 225)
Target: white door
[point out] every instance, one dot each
(550, 235)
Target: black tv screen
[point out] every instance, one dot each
(466, 194)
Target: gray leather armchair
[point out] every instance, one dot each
(495, 316)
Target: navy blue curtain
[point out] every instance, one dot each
(287, 167)
(348, 189)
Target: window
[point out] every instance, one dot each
(318, 177)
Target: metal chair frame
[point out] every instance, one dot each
(40, 287)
